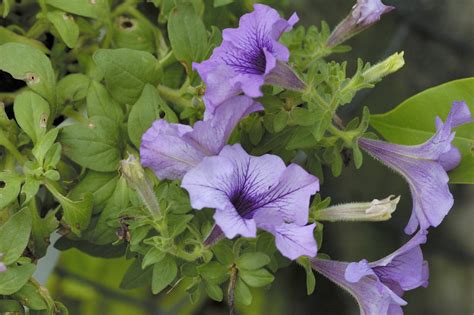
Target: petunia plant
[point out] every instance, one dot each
(192, 138)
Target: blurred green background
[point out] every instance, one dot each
(438, 39)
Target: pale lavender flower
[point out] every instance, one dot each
(363, 14)
(248, 57)
(251, 192)
(424, 167)
(170, 150)
(378, 286)
(3, 267)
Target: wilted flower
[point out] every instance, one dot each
(170, 150)
(363, 14)
(424, 166)
(378, 286)
(376, 210)
(248, 57)
(251, 192)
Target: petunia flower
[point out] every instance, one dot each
(378, 286)
(249, 57)
(424, 167)
(251, 192)
(363, 14)
(170, 150)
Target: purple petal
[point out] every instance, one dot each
(355, 271)
(164, 150)
(460, 113)
(3, 268)
(294, 240)
(405, 267)
(370, 11)
(373, 297)
(232, 224)
(451, 159)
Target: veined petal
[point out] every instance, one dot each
(164, 150)
(232, 224)
(293, 240)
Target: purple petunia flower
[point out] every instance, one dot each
(378, 286)
(251, 192)
(424, 166)
(363, 15)
(248, 57)
(170, 150)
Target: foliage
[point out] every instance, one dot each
(97, 73)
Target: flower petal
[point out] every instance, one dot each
(355, 271)
(232, 224)
(293, 240)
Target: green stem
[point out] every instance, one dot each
(174, 96)
(168, 60)
(70, 113)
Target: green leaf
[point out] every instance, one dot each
(31, 297)
(65, 26)
(252, 261)
(29, 64)
(126, 72)
(100, 103)
(310, 279)
(148, 108)
(96, 145)
(256, 278)
(214, 291)
(221, 3)
(136, 277)
(135, 34)
(44, 144)
(31, 113)
(89, 8)
(14, 236)
(41, 231)
(280, 121)
(9, 188)
(413, 122)
(15, 277)
(187, 34)
(213, 272)
(29, 189)
(223, 252)
(7, 36)
(164, 273)
(153, 256)
(77, 213)
(101, 185)
(242, 293)
(72, 88)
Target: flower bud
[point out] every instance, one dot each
(384, 68)
(133, 172)
(363, 14)
(376, 210)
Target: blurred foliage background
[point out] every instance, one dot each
(438, 39)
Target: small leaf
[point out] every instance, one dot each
(15, 277)
(280, 121)
(242, 293)
(77, 214)
(164, 273)
(220, 3)
(136, 277)
(14, 236)
(148, 108)
(31, 113)
(153, 256)
(100, 103)
(256, 278)
(187, 34)
(95, 145)
(89, 8)
(252, 261)
(29, 64)
(9, 188)
(65, 26)
(7, 36)
(214, 291)
(126, 72)
(72, 88)
(31, 297)
(223, 253)
(44, 144)
(213, 272)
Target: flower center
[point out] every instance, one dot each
(249, 56)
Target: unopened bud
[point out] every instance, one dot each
(363, 14)
(376, 210)
(384, 68)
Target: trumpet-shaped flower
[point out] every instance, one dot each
(363, 14)
(170, 150)
(424, 166)
(248, 57)
(378, 286)
(256, 192)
